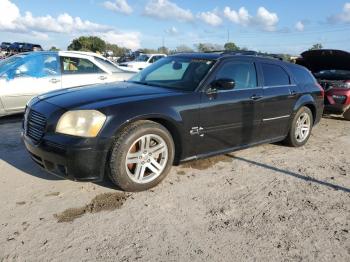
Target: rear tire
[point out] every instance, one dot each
(141, 157)
(347, 114)
(301, 128)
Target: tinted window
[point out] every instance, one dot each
(301, 75)
(183, 73)
(243, 73)
(74, 65)
(275, 75)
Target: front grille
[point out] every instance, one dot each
(35, 126)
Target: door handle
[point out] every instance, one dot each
(102, 77)
(54, 81)
(255, 97)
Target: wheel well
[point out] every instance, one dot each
(313, 110)
(175, 135)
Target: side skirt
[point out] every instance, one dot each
(233, 149)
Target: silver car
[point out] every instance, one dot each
(29, 74)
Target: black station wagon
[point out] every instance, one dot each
(183, 107)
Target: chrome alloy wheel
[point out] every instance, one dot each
(146, 158)
(303, 127)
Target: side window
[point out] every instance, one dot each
(302, 76)
(243, 73)
(38, 66)
(74, 65)
(274, 75)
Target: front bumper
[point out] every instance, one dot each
(76, 162)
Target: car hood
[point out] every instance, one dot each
(85, 95)
(325, 59)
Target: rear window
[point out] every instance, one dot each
(274, 75)
(302, 75)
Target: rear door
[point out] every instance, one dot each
(78, 71)
(36, 75)
(231, 118)
(280, 95)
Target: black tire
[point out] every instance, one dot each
(346, 114)
(117, 169)
(291, 139)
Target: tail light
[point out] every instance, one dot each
(321, 89)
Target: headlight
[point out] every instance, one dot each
(83, 123)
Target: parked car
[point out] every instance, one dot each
(26, 75)
(332, 70)
(142, 61)
(16, 47)
(31, 48)
(5, 46)
(181, 108)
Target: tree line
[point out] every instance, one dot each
(98, 45)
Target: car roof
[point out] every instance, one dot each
(224, 55)
(68, 53)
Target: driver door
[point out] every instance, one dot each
(36, 75)
(231, 118)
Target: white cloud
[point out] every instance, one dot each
(267, 20)
(264, 19)
(172, 31)
(300, 26)
(40, 27)
(128, 39)
(165, 9)
(210, 18)
(343, 17)
(120, 6)
(241, 17)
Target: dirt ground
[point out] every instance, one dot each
(268, 203)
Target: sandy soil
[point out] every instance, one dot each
(269, 203)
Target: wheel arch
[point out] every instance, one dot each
(307, 101)
(172, 125)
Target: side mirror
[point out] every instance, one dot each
(223, 84)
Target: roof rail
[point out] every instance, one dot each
(247, 53)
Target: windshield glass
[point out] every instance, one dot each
(9, 62)
(333, 75)
(142, 58)
(182, 73)
(108, 65)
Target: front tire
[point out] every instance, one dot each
(141, 157)
(346, 114)
(301, 127)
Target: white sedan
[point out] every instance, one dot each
(29, 74)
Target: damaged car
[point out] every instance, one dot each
(332, 70)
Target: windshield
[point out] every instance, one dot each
(142, 58)
(182, 73)
(108, 65)
(9, 62)
(333, 75)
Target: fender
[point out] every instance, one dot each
(306, 99)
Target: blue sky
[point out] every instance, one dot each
(270, 25)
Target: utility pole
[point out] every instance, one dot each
(228, 35)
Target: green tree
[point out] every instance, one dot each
(117, 51)
(316, 46)
(208, 47)
(54, 48)
(184, 49)
(230, 46)
(163, 50)
(88, 43)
